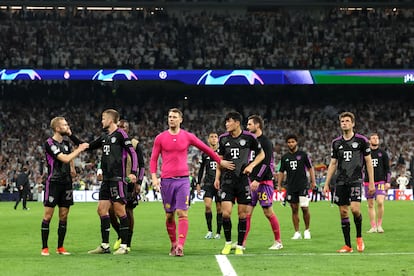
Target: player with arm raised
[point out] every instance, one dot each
(58, 186)
(172, 144)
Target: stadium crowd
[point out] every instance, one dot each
(282, 38)
(312, 38)
(310, 112)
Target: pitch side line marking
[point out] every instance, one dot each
(336, 254)
(225, 266)
(228, 270)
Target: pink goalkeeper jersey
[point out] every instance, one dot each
(174, 151)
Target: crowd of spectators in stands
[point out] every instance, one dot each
(283, 38)
(309, 112)
(311, 38)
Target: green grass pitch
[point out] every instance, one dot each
(391, 253)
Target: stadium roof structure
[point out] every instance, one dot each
(212, 3)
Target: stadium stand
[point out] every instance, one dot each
(324, 36)
(283, 37)
(309, 111)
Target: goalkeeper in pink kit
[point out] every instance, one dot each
(172, 144)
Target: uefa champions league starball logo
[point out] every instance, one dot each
(23, 74)
(115, 75)
(234, 77)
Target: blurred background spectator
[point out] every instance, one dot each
(309, 111)
(318, 37)
(193, 38)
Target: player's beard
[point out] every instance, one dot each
(64, 133)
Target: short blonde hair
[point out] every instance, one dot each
(55, 122)
(113, 114)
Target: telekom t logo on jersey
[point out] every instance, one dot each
(375, 162)
(106, 149)
(293, 164)
(235, 152)
(252, 156)
(213, 165)
(347, 155)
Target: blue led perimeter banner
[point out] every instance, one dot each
(220, 77)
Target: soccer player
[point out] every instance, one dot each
(295, 163)
(349, 151)
(382, 176)
(115, 146)
(243, 148)
(172, 144)
(262, 186)
(208, 165)
(133, 191)
(58, 186)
